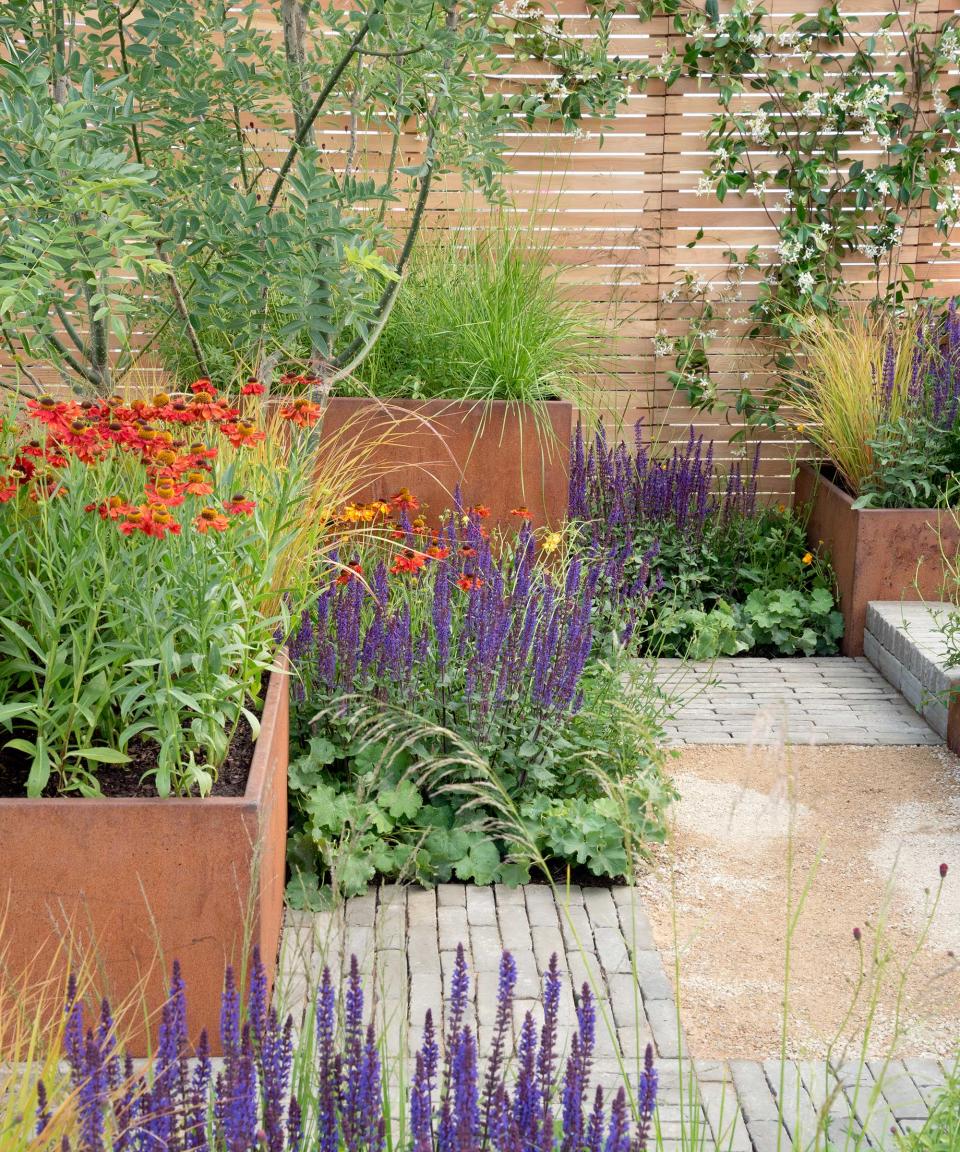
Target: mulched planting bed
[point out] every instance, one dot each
(129, 780)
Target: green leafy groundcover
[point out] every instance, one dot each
(377, 792)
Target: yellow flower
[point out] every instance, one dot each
(801, 428)
(552, 541)
(807, 558)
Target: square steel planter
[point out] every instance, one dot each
(877, 553)
(140, 882)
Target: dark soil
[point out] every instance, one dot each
(128, 780)
(829, 472)
(577, 874)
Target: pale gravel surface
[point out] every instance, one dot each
(877, 823)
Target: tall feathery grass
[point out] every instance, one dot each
(485, 317)
(855, 372)
(323, 470)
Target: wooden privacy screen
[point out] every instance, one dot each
(620, 204)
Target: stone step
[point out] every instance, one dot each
(905, 642)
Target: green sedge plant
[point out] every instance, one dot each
(481, 317)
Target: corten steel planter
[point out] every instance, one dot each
(119, 877)
(877, 553)
(501, 453)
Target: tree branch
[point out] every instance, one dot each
(68, 327)
(68, 357)
(18, 360)
(307, 126)
(181, 306)
(385, 303)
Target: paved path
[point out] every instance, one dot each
(406, 939)
(833, 700)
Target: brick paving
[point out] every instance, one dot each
(405, 940)
(834, 700)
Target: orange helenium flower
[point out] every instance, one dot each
(210, 520)
(405, 501)
(351, 570)
(409, 562)
(239, 505)
(302, 411)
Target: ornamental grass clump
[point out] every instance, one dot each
(879, 400)
(727, 575)
(444, 660)
(148, 544)
(484, 317)
(266, 1098)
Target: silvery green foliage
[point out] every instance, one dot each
(183, 166)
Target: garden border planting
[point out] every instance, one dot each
(876, 553)
(150, 879)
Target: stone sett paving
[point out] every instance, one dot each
(405, 940)
(834, 700)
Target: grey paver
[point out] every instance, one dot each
(753, 1089)
(452, 926)
(830, 700)
(901, 1094)
(514, 927)
(485, 946)
(481, 908)
(796, 1108)
(600, 908)
(735, 1105)
(663, 1023)
(541, 904)
(547, 941)
(576, 927)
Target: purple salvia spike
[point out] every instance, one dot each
(618, 1133)
(371, 1094)
(230, 1015)
(257, 998)
(526, 1098)
(92, 1098)
(572, 1100)
(889, 371)
(294, 1125)
(501, 1026)
(546, 1057)
(647, 1101)
(195, 1128)
(328, 1071)
(352, 1117)
(594, 1133)
(43, 1110)
(466, 1103)
(421, 1103)
(73, 1031)
(275, 1058)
